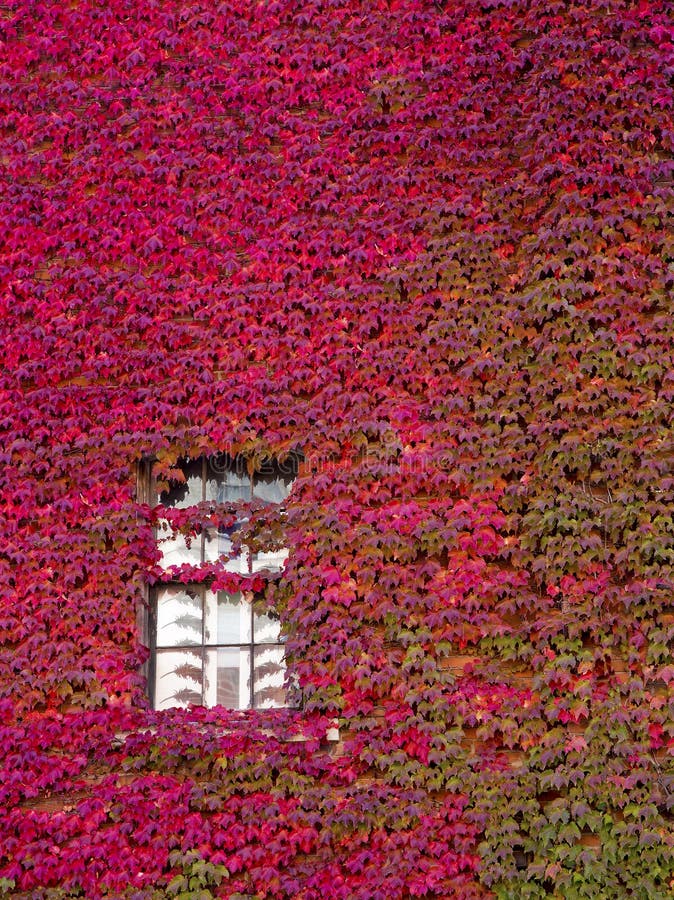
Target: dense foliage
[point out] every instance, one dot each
(430, 244)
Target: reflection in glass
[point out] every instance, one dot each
(234, 488)
(225, 479)
(267, 628)
(268, 678)
(228, 677)
(179, 616)
(178, 678)
(207, 642)
(175, 550)
(211, 545)
(272, 560)
(272, 483)
(227, 618)
(238, 562)
(181, 496)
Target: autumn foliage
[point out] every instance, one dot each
(431, 246)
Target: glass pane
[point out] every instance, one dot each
(274, 480)
(227, 480)
(273, 560)
(188, 494)
(178, 616)
(234, 488)
(239, 563)
(211, 544)
(178, 678)
(213, 477)
(269, 677)
(219, 544)
(175, 550)
(228, 618)
(228, 677)
(267, 628)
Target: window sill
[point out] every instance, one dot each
(331, 735)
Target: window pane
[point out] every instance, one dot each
(239, 563)
(218, 544)
(234, 488)
(228, 677)
(175, 550)
(213, 477)
(178, 678)
(211, 545)
(267, 628)
(178, 616)
(273, 560)
(227, 480)
(269, 677)
(188, 494)
(274, 480)
(228, 618)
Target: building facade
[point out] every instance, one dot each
(421, 254)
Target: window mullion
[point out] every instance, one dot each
(204, 475)
(152, 673)
(203, 644)
(252, 655)
(249, 552)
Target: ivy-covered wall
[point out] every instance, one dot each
(431, 245)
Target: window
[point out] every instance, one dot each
(224, 479)
(212, 647)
